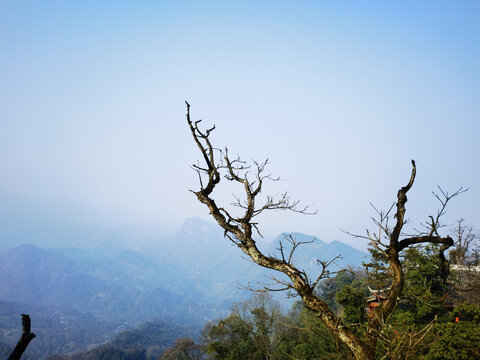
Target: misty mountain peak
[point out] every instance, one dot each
(26, 251)
(195, 227)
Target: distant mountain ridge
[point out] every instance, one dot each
(40, 276)
(197, 263)
(188, 278)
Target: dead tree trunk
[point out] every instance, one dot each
(25, 339)
(240, 230)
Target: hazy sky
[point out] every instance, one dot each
(338, 95)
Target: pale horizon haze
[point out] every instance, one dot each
(339, 96)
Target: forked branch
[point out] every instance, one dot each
(239, 229)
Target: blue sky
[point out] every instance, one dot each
(338, 95)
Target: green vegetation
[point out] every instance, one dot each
(426, 324)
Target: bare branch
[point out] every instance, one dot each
(325, 272)
(425, 239)
(443, 197)
(25, 339)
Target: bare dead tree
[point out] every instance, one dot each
(240, 230)
(25, 339)
(465, 238)
(465, 265)
(405, 343)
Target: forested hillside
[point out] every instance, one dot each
(149, 340)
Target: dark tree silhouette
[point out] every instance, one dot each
(25, 339)
(218, 165)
